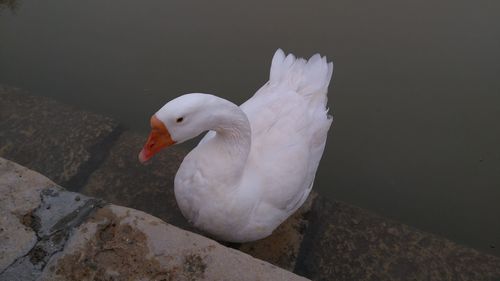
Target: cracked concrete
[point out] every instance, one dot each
(19, 195)
(118, 243)
(70, 236)
(48, 221)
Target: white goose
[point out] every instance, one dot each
(256, 165)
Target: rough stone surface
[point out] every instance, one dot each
(74, 237)
(118, 243)
(347, 243)
(19, 196)
(39, 217)
(52, 138)
(282, 247)
(122, 180)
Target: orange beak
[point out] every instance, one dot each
(158, 138)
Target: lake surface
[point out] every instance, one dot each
(416, 94)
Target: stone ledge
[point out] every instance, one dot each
(16, 238)
(341, 242)
(52, 138)
(74, 237)
(348, 243)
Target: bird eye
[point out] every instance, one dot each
(179, 120)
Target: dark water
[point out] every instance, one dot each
(416, 93)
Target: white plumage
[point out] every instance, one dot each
(257, 164)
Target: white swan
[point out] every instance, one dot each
(256, 165)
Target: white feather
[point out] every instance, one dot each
(240, 183)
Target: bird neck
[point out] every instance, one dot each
(233, 136)
(226, 153)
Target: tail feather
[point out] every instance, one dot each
(307, 77)
(276, 66)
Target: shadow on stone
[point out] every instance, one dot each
(348, 243)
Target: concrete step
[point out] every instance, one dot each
(323, 240)
(55, 139)
(344, 242)
(51, 234)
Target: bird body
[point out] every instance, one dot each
(256, 165)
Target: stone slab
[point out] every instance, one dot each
(347, 243)
(119, 243)
(80, 238)
(19, 196)
(37, 218)
(57, 140)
